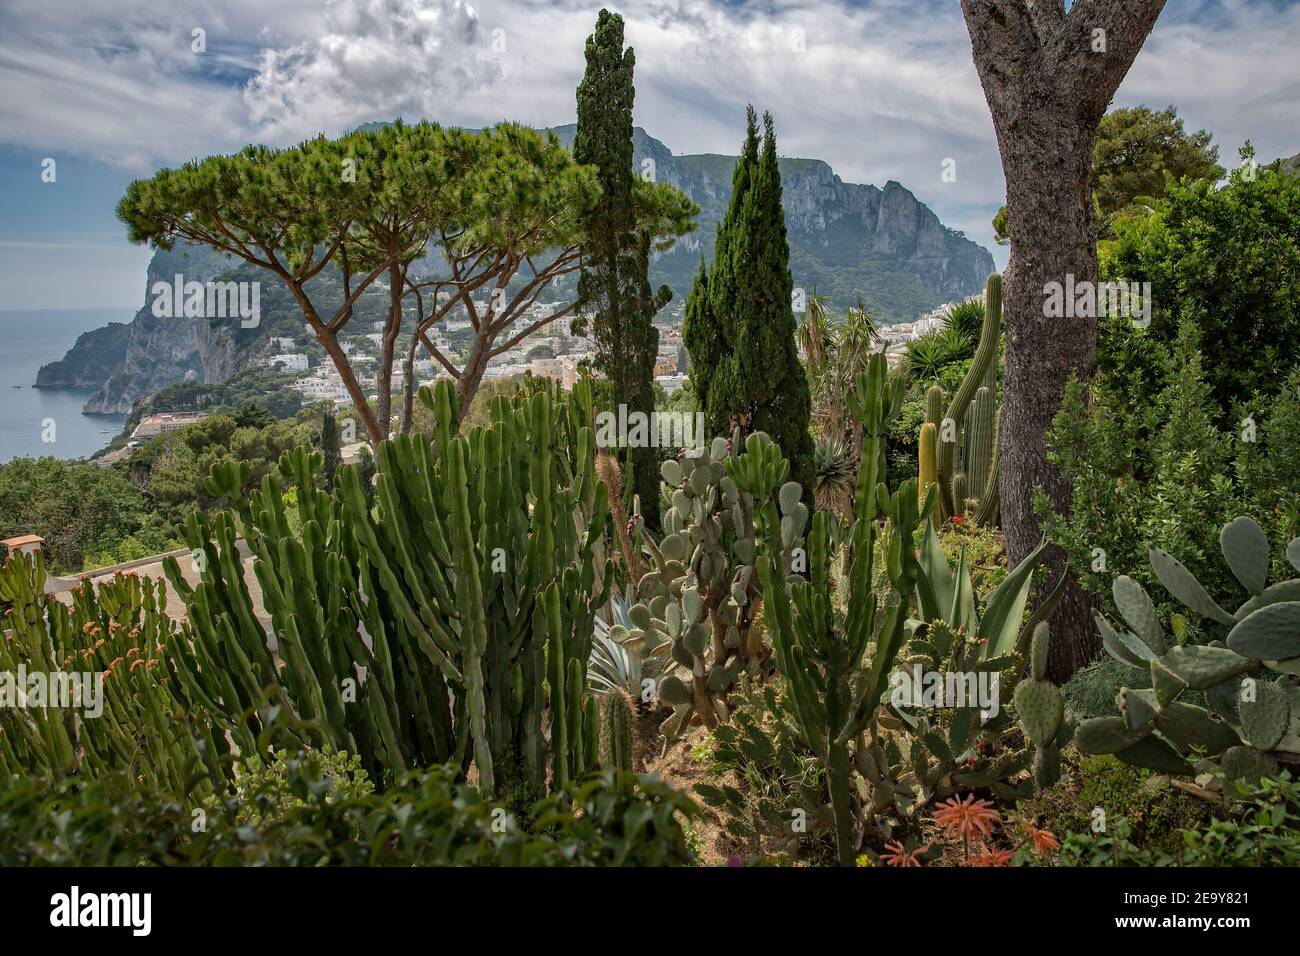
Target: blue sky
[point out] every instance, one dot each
(881, 89)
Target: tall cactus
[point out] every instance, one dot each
(969, 424)
(109, 700)
(835, 695)
(441, 619)
(928, 471)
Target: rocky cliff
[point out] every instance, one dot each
(848, 240)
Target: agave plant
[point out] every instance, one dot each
(834, 475)
(612, 666)
(927, 355)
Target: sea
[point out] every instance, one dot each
(35, 422)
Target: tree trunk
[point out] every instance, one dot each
(1048, 76)
(1053, 238)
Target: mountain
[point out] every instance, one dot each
(850, 241)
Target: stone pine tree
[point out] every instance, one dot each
(614, 283)
(1048, 75)
(739, 322)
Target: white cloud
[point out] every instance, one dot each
(373, 59)
(881, 90)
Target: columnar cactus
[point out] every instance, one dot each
(1253, 717)
(833, 692)
(108, 699)
(968, 432)
(927, 460)
(700, 603)
(441, 620)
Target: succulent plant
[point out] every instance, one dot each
(446, 617)
(834, 687)
(968, 443)
(1247, 671)
(700, 604)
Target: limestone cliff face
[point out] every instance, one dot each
(159, 351)
(848, 240)
(90, 361)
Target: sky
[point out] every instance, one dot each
(112, 90)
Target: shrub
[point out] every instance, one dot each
(299, 816)
(1262, 830)
(1165, 474)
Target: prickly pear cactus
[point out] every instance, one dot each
(700, 603)
(1040, 711)
(1247, 671)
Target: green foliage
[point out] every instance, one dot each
(475, 578)
(777, 778)
(80, 509)
(699, 604)
(107, 658)
(834, 689)
(1139, 152)
(303, 815)
(738, 323)
(490, 203)
(1166, 474)
(1137, 155)
(1228, 261)
(614, 282)
(1262, 829)
(1115, 798)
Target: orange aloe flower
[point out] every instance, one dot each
(897, 855)
(993, 858)
(1043, 840)
(969, 817)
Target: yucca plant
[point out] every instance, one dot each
(965, 319)
(834, 475)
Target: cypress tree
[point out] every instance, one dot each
(615, 282)
(739, 325)
(331, 447)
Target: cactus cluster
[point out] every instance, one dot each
(1247, 671)
(444, 615)
(931, 752)
(967, 461)
(137, 721)
(834, 686)
(699, 605)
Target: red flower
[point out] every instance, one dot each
(897, 855)
(1044, 841)
(992, 858)
(967, 817)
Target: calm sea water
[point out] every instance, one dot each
(29, 339)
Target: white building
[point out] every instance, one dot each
(289, 361)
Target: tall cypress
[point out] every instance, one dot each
(615, 281)
(739, 324)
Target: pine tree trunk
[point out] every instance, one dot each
(1052, 237)
(1048, 76)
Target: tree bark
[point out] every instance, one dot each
(1048, 77)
